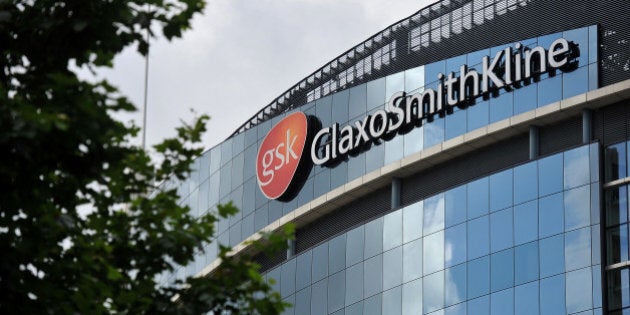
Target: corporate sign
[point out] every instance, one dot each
(281, 166)
(510, 68)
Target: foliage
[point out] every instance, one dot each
(82, 227)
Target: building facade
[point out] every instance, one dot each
(469, 159)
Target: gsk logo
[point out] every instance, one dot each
(281, 166)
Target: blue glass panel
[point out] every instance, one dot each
(354, 246)
(575, 82)
(579, 37)
(274, 278)
(372, 305)
(502, 302)
(459, 309)
(412, 260)
(356, 166)
(576, 167)
(319, 298)
(354, 284)
(434, 132)
(453, 64)
(478, 240)
(550, 175)
(287, 284)
(597, 286)
(478, 274)
(392, 268)
(374, 157)
(336, 291)
(373, 276)
(357, 101)
(455, 206)
(337, 254)
(433, 292)
(501, 230)
(577, 249)
(501, 107)
(618, 289)
(478, 114)
(526, 222)
(577, 210)
(432, 70)
(525, 182)
(579, 294)
(526, 299)
(502, 272)
(478, 198)
(373, 238)
(525, 98)
(392, 300)
(479, 306)
(394, 149)
(551, 256)
(412, 222)
(414, 79)
(290, 310)
(455, 124)
(303, 301)
(354, 309)
(501, 190)
(433, 252)
(455, 285)
(320, 262)
(392, 230)
(455, 245)
(339, 175)
(411, 301)
(550, 288)
(394, 83)
(323, 110)
(551, 215)
(340, 107)
(526, 263)
(414, 141)
(375, 93)
(549, 90)
(322, 183)
(433, 214)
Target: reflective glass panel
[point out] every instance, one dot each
(478, 240)
(526, 263)
(433, 256)
(478, 273)
(526, 222)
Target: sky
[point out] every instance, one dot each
(240, 55)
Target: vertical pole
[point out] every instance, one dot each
(533, 142)
(587, 125)
(290, 248)
(396, 192)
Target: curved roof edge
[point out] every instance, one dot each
(335, 75)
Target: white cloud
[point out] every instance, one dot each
(242, 54)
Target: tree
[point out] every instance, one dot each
(61, 151)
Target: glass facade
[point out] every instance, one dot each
(521, 241)
(227, 171)
(616, 218)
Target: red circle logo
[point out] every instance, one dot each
(280, 154)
